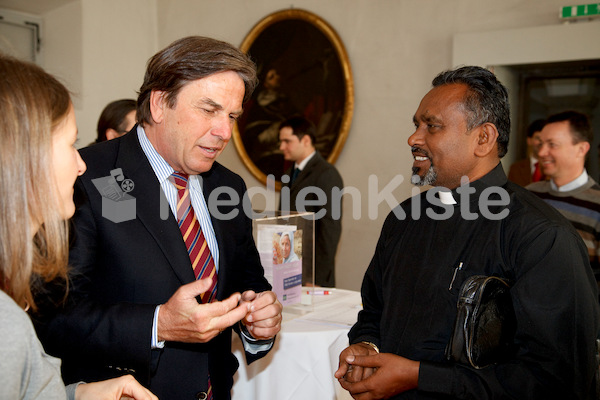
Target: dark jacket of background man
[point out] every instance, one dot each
(317, 173)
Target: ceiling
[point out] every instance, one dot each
(36, 7)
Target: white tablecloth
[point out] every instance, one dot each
(305, 354)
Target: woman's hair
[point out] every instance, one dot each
(113, 117)
(33, 104)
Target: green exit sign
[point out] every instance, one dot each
(580, 11)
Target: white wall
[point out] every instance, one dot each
(99, 50)
(118, 38)
(395, 48)
(63, 48)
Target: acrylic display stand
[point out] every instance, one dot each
(277, 236)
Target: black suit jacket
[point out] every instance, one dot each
(121, 271)
(321, 174)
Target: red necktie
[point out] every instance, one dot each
(198, 250)
(537, 173)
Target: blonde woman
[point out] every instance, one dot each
(38, 167)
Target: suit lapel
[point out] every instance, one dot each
(148, 193)
(306, 172)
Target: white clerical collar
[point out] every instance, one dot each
(303, 163)
(446, 197)
(575, 184)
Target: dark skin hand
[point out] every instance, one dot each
(352, 373)
(375, 376)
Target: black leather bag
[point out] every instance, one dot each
(485, 323)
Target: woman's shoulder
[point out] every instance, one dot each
(23, 356)
(16, 328)
(9, 310)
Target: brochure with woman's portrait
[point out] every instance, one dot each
(280, 249)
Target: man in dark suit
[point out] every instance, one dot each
(310, 170)
(135, 304)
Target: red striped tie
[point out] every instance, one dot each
(198, 250)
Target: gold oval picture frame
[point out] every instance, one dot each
(303, 69)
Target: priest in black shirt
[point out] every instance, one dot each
(473, 222)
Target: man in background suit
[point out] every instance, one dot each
(133, 306)
(528, 170)
(310, 170)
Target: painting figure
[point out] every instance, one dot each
(303, 70)
(261, 124)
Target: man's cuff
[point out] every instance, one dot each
(156, 344)
(252, 345)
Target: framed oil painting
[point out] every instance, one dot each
(303, 69)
